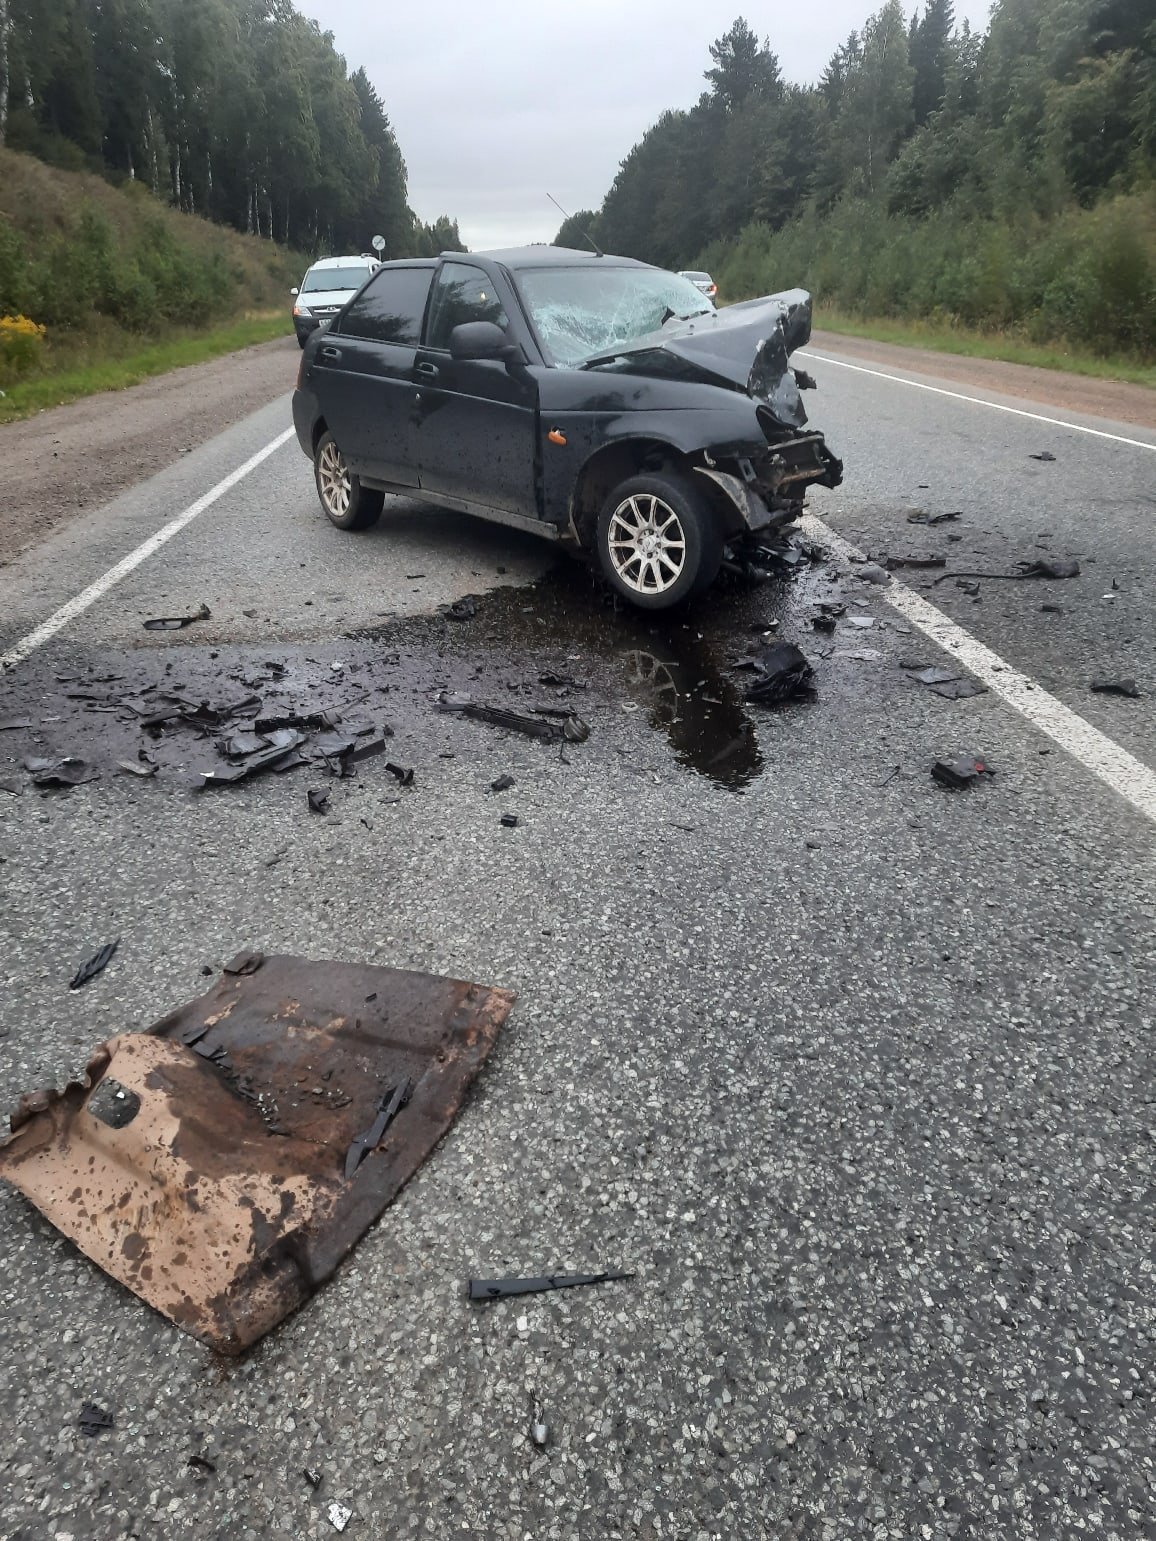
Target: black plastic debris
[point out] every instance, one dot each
(318, 800)
(1060, 567)
(569, 726)
(921, 516)
(562, 681)
(402, 774)
(825, 623)
(505, 1289)
(783, 675)
(95, 965)
(961, 772)
(71, 771)
(969, 586)
(314, 1478)
(503, 784)
(1044, 454)
(945, 682)
(509, 821)
(391, 1104)
(463, 609)
(283, 744)
(94, 1420)
(1124, 687)
(201, 1465)
(177, 622)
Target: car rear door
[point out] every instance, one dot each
(364, 370)
(477, 418)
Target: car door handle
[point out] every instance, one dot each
(428, 371)
(334, 353)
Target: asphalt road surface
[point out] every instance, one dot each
(854, 1073)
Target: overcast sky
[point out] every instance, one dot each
(495, 105)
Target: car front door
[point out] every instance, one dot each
(365, 375)
(477, 418)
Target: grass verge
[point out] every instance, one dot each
(76, 373)
(990, 345)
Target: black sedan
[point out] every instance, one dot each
(593, 400)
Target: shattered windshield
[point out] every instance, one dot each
(581, 313)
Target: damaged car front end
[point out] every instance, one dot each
(766, 468)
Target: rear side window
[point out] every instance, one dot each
(463, 293)
(391, 307)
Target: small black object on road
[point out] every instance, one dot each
(783, 675)
(177, 622)
(94, 1420)
(95, 965)
(961, 772)
(318, 800)
(505, 1289)
(1126, 687)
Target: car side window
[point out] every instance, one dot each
(391, 307)
(462, 293)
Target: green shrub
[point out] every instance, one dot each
(1086, 278)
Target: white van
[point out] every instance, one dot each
(325, 289)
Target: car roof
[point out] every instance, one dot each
(342, 262)
(522, 257)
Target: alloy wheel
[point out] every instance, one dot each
(647, 544)
(333, 481)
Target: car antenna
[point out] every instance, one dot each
(586, 236)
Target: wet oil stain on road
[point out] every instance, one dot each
(561, 644)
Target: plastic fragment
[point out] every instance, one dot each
(503, 784)
(509, 821)
(314, 1478)
(318, 800)
(177, 622)
(404, 777)
(784, 674)
(505, 1289)
(68, 772)
(339, 1516)
(94, 1420)
(961, 772)
(95, 965)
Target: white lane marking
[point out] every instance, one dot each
(89, 596)
(1134, 781)
(976, 401)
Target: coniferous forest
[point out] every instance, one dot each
(238, 110)
(1002, 180)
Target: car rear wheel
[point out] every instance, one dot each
(658, 540)
(348, 504)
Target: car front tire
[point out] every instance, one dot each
(347, 504)
(658, 540)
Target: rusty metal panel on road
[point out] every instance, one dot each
(223, 1163)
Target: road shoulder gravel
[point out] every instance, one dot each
(57, 465)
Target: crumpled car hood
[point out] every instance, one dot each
(743, 347)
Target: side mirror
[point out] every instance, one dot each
(295, 292)
(482, 340)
